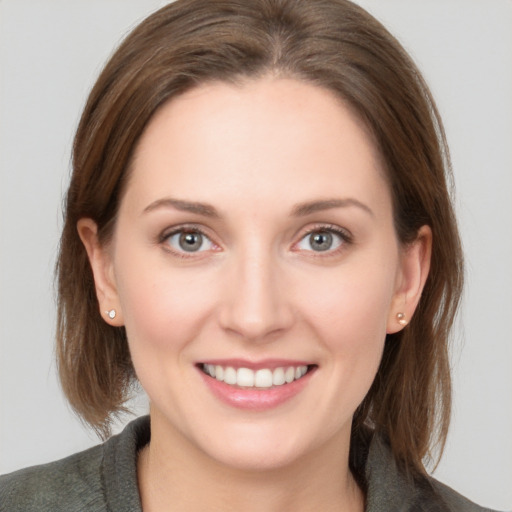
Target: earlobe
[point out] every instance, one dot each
(101, 263)
(414, 269)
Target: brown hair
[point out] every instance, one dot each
(333, 44)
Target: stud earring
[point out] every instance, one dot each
(401, 318)
(111, 314)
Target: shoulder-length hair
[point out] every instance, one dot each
(333, 44)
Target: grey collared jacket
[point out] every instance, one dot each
(104, 479)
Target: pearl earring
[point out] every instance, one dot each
(111, 314)
(401, 318)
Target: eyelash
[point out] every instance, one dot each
(187, 228)
(343, 234)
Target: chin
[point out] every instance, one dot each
(260, 448)
(256, 458)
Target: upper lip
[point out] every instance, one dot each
(271, 364)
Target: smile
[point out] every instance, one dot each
(262, 378)
(256, 386)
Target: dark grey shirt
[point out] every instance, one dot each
(104, 479)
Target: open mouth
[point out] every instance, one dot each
(263, 378)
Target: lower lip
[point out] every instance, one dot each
(255, 399)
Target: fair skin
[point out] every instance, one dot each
(255, 232)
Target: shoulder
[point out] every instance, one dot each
(389, 488)
(100, 479)
(70, 484)
(454, 501)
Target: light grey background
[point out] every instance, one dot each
(50, 53)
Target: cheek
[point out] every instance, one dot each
(164, 313)
(163, 308)
(357, 301)
(348, 314)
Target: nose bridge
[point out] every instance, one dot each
(256, 304)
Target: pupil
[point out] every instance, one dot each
(321, 241)
(191, 241)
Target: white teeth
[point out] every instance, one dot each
(278, 377)
(289, 374)
(230, 375)
(263, 378)
(245, 377)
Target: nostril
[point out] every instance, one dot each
(255, 322)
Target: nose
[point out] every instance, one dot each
(256, 303)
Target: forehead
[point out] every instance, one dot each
(256, 138)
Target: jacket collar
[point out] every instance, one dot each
(390, 488)
(387, 487)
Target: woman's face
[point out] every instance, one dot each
(255, 242)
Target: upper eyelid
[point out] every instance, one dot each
(167, 232)
(343, 232)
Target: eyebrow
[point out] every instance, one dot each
(299, 210)
(204, 209)
(303, 209)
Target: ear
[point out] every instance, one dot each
(411, 278)
(100, 259)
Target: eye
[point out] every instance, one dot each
(322, 240)
(187, 240)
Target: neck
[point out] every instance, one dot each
(170, 470)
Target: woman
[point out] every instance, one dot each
(258, 229)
